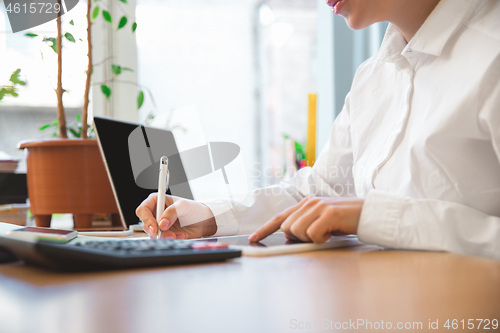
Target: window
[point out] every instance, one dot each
(196, 52)
(21, 117)
(38, 61)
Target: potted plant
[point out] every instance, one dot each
(67, 175)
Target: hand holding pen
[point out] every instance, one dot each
(169, 209)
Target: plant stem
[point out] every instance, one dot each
(89, 74)
(61, 118)
(102, 61)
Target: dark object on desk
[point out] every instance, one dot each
(109, 254)
(13, 188)
(113, 138)
(6, 256)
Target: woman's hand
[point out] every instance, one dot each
(199, 217)
(315, 219)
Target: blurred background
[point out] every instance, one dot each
(247, 66)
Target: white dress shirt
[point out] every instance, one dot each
(418, 139)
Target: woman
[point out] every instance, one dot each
(413, 160)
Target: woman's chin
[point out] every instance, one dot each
(355, 23)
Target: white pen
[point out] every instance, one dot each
(162, 189)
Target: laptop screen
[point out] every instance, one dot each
(128, 146)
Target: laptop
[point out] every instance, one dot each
(128, 150)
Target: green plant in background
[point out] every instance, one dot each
(300, 155)
(56, 45)
(10, 89)
(100, 7)
(75, 129)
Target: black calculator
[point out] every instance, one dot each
(81, 255)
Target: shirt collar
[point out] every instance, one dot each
(433, 35)
(392, 45)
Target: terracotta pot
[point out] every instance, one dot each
(68, 176)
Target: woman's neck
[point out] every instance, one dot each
(409, 15)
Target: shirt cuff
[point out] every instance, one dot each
(226, 222)
(380, 216)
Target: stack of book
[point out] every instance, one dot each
(13, 191)
(8, 164)
(14, 213)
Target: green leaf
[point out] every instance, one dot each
(29, 34)
(4, 92)
(95, 13)
(140, 99)
(124, 1)
(105, 90)
(116, 69)
(44, 127)
(127, 69)
(7, 91)
(107, 16)
(123, 22)
(71, 22)
(134, 26)
(75, 133)
(69, 37)
(81, 40)
(78, 118)
(51, 40)
(14, 78)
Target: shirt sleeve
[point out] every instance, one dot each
(330, 176)
(424, 224)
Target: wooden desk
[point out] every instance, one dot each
(255, 294)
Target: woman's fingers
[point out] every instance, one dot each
(296, 224)
(275, 223)
(146, 212)
(181, 235)
(335, 219)
(316, 221)
(319, 231)
(168, 217)
(167, 234)
(298, 228)
(291, 239)
(173, 234)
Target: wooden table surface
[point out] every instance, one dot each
(272, 294)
